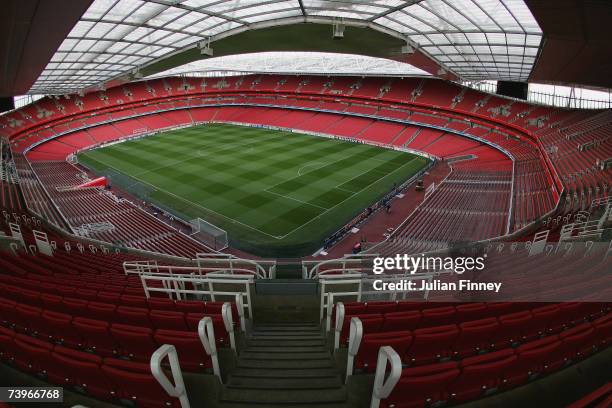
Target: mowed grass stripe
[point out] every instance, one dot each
(273, 183)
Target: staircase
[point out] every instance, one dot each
(285, 365)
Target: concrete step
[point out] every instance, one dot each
(285, 328)
(273, 364)
(273, 342)
(287, 349)
(267, 383)
(226, 404)
(285, 373)
(276, 355)
(283, 397)
(284, 336)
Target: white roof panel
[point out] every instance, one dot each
(133, 33)
(314, 63)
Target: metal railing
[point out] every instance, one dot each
(176, 387)
(347, 264)
(383, 382)
(364, 286)
(181, 287)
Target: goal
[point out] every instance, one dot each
(210, 234)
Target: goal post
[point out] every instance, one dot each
(210, 234)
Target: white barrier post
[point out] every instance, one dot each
(338, 324)
(382, 389)
(178, 390)
(539, 243)
(206, 331)
(240, 307)
(228, 321)
(355, 336)
(42, 242)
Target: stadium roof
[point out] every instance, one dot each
(474, 39)
(314, 63)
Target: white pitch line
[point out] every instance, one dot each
(295, 199)
(364, 172)
(331, 208)
(200, 206)
(308, 165)
(199, 154)
(256, 229)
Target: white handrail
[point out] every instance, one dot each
(175, 286)
(206, 331)
(364, 282)
(177, 390)
(355, 336)
(327, 296)
(382, 389)
(240, 307)
(152, 267)
(338, 324)
(42, 243)
(228, 321)
(342, 265)
(539, 243)
(232, 264)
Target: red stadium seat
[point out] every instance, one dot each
(7, 346)
(380, 307)
(138, 316)
(134, 342)
(470, 311)
(74, 307)
(422, 386)
(475, 336)
(480, 374)
(438, 316)
(548, 319)
(161, 304)
(109, 297)
(70, 367)
(407, 320)
(30, 354)
(603, 330)
(134, 301)
(372, 323)
(190, 306)
(27, 318)
(538, 356)
(578, 341)
(371, 343)
(162, 319)
(85, 294)
(432, 344)
(58, 326)
(193, 320)
(134, 382)
(7, 311)
(96, 336)
(51, 302)
(514, 328)
(188, 346)
(101, 311)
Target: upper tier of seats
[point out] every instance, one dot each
(430, 141)
(436, 142)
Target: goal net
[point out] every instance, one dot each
(210, 234)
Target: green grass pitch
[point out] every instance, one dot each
(275, 193)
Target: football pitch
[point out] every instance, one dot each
(276, 193)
